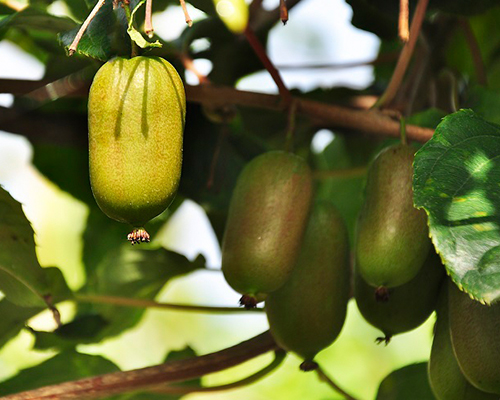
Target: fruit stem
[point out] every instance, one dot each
(290, 131)
(283, 12)
(134, 52)
(325, 378)
(72, 48)
(143, 303)
(402, 130)
(279, 356)
(404, 57)
(403, 32)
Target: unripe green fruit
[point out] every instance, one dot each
(266, 222)
(475, 332)
(446, 379)
(307, 313)
(392, 236)
(136, 114)
(407, 306)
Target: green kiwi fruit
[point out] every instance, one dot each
(474, 329)
(265, 225)
(307, 313)
(445, 377)
(136, 114)
(404, 307)
(392, 237)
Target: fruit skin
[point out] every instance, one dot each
(392, 238)
(136, 114)
(474, 334)
(266, 222)
(446, 379)
(408, 306)
(307, 313)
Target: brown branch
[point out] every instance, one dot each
(405, 56)
(475, 51)
(142, 303)
(371, 122)
(145, 378)
(278, 359)
(260, 52)
(404, 15)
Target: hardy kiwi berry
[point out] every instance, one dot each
(136, 114)
(307, 313)
(265, 225)
(392, 238)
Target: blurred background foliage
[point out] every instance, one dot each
(48, 174)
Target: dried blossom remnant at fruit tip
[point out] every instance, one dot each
(307, 366)
(138, 235)
(248, 301)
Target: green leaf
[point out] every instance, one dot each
(65, 366)
(13, 319)
(22, 279)
(407, 383)
(82, 330)
(96, 41)
(135, 273)
(456, 180)
(135, 35)
(37, 19)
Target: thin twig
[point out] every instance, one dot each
(405, 56)
(475, 51)
(142, 303)
(189, 21)
(72, 48)
(148, 19)
(268, 65)
(404, 15)
(283, 12)
(325, 378)
(189, 65)
(290, 129)
(279, 356)
(146, 378)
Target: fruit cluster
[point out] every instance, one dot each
(284, 246)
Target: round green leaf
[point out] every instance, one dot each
(457, 181)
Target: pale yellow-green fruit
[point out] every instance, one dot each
(136, 114)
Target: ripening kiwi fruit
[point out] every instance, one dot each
(392, 238)
(445, 377)
(407, 306)
(307, 313)
(265, 225)
(136, 114)
(475, 329)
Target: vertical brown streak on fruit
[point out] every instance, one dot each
(118, 125)
(144, 116)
